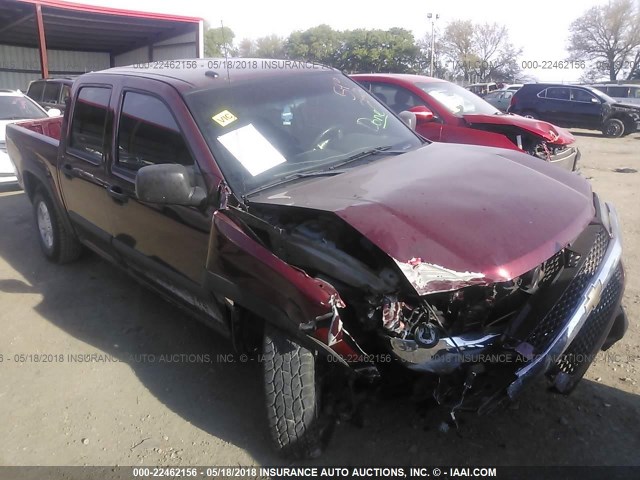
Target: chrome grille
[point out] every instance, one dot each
(566, 305)
(587, 343)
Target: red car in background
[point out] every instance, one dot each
(446, 112)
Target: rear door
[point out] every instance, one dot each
(555, 106)
(81, 166)
(167, 244)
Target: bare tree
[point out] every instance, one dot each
(480, 52)
(606, 35)
(634, 71)
(457, 45)
(497, 57)
(423, 62)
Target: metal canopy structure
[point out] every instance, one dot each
(59, 25)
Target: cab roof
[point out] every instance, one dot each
(199, 73)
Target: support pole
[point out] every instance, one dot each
(42, 44)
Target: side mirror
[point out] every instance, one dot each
(423, 114)
(54, 112)
(594, 100)
(167, 184)
(409, 118)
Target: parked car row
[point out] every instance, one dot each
(298, 215)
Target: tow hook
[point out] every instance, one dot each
(472, 374)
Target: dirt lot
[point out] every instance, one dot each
(143, 411)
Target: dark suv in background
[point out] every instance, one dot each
(51, 92)
(576, 106)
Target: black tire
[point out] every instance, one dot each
(530, 114)
(292, 391)
(56, 241)
(613, 128)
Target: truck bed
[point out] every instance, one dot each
(49, 127)
(33, 145)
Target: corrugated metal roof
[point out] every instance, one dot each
(70, 26)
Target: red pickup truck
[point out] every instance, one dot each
(292, 211)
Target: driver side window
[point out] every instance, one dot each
(148, 134)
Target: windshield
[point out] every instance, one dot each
(601, 95)
(13, 107)
(270, 129)
(456, 99)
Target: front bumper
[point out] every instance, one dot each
(595, 313)
(567, 159)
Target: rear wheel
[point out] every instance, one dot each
(292, 390)
(614, 127)
(530, 114)
(58, 243)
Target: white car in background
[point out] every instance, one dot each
(16, 106)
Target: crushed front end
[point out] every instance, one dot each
(445, 284)
(486, 342)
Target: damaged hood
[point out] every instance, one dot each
(549, 132)
(453, 215)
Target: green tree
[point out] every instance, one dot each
(270, 46)
(359, 50)
(246, 48)
(320, 44)
(393, 50)
(217, 40)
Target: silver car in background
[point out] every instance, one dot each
(623, 93)
(16, 106)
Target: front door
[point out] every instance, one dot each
(399, 99)
(167, 244)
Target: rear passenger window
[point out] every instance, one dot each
(35, 91)
(51, 92)
(148, 134)
(89, 118)
(558, 93)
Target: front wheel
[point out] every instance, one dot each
(58, 243)
(614, 127)
(292, 390)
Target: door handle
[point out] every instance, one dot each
(68, 170)
(117, 194)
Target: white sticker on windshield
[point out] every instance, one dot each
(252, 149)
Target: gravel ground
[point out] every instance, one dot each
(138, 403)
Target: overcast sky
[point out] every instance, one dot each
(540, 27)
